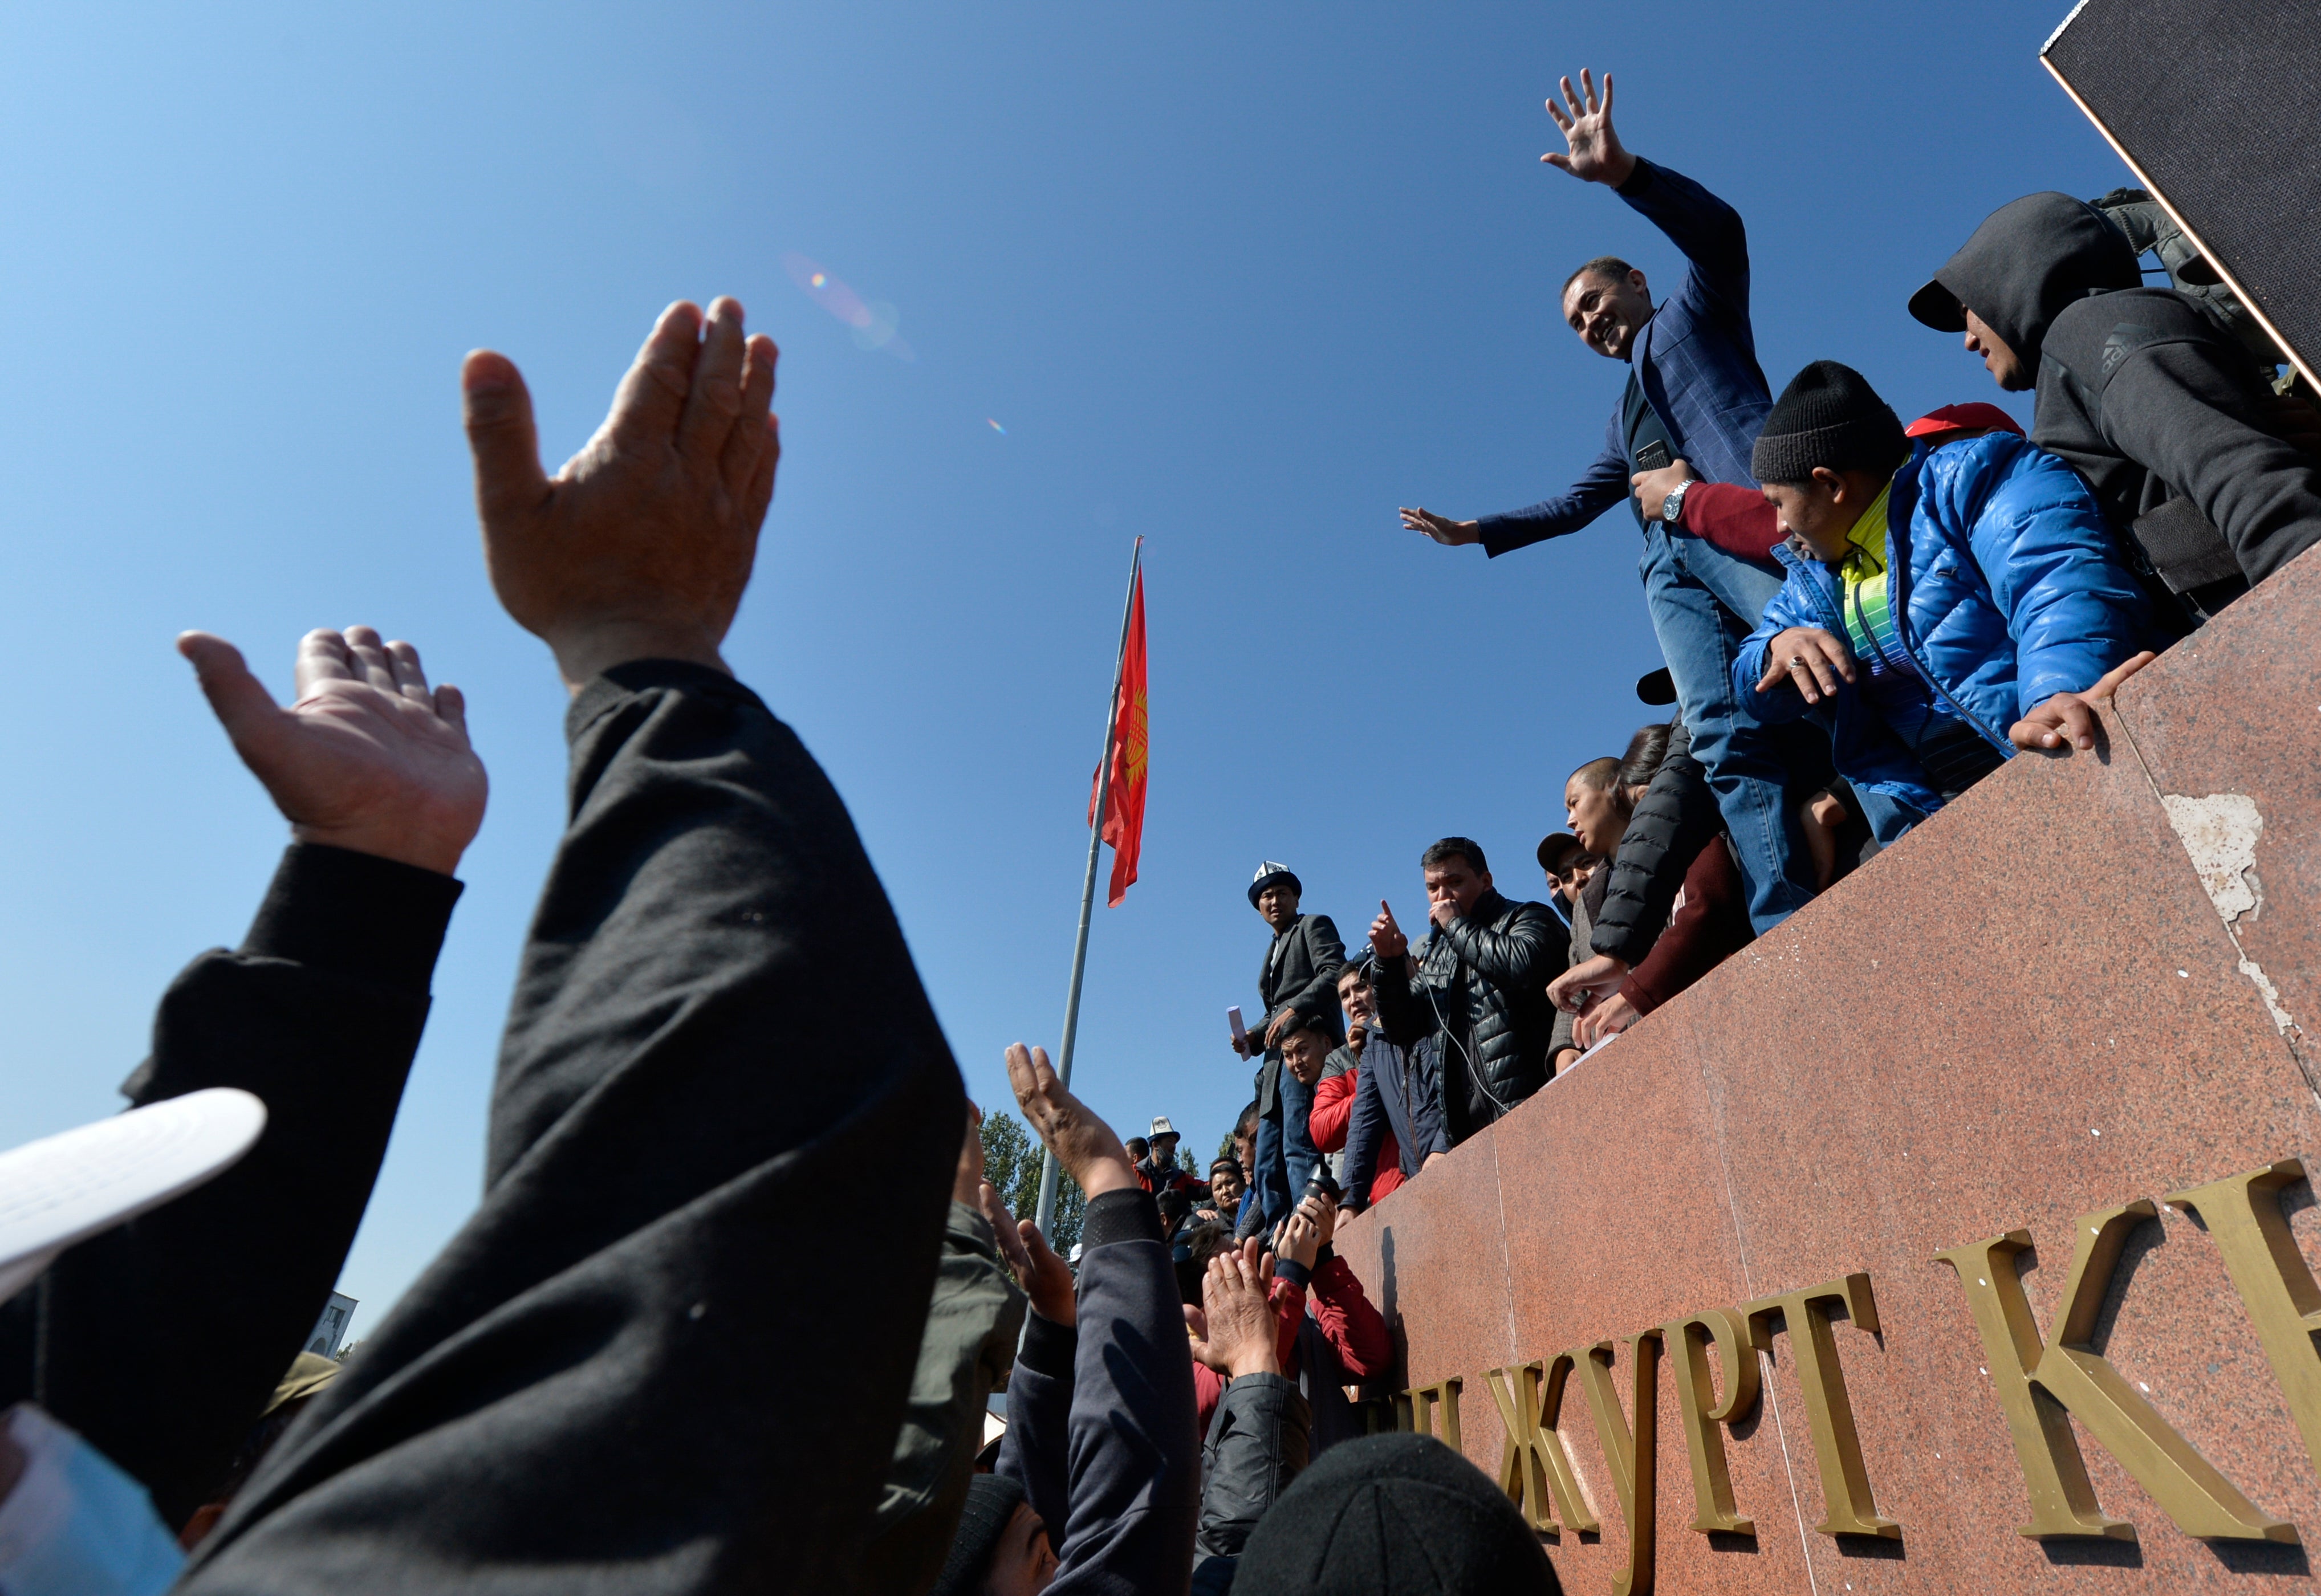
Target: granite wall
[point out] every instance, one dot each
(2078, 987)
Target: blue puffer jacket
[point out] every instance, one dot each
(2002, 574)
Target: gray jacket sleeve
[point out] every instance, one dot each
(1318, 998)
(1583, 927)
(2169, 406)
(1676, 816)
(964, 1353)
(1257, 1444)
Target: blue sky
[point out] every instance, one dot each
(1239, 279)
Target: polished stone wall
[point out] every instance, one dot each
(2077, 987)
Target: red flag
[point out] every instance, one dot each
(1124, 809)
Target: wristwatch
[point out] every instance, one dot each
(1672, 507)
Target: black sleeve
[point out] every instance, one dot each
(162, 1340)
(716, 1035)
(1515, 960)
(2174, 407)
(1257, 1444)
(1677, 815)
(1404, 1015)
(1365, 1123)
(1317, 1000)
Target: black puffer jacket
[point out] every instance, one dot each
(1676, 814)
(1483, 982)
(2167, 417)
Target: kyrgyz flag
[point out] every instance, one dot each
(1123, 806)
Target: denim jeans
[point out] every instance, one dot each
(1705, 603)
(1285, 1154)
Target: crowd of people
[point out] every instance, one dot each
(625, 1373)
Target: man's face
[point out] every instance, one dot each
(1278, 905)
(1241, 1153)
(1593, 815)
(1607, 312)
(1822, 511)
(1999, 357)
(1024, 1564)
(1303, 1055)
(1454, 886)
(1571, 878)
(1164, 1151)
(1355, 997)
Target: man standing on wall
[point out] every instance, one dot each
(1299, 978)
(1694, 392)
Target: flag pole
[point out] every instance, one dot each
(1048, 1171)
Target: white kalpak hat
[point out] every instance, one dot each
(69, 1187)
(1161, 1128)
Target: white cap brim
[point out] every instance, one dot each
(65, 1188)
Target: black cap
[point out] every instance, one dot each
(1393, 1515)
(1556, 846)
(1656, 686)
(1828, 416)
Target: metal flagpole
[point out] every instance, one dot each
(1048, 1171)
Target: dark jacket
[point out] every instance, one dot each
(1300, 972)
(1257, 1444)
(2143, 394)
(2005, 588)
(1696, 361)
(560, 1387)
(1100, 1415)
(1481, 989)
(1676, 814)
(1583, 929)
(1397, 1093)
(162, 1340)
(1707, 927)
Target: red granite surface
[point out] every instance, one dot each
(2029, 1010)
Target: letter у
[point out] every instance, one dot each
(1629, 1456)
(2037, 1382)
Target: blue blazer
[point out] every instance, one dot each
(2007, 590)
(1695, 360)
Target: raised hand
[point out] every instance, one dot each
(1450, 534)
(369, 757)
(2068, 719)
(640, 546)
(1596, 154)
(1084, 1147)
(1386, 937)
(1044, 1277)
(1809, 659)
(1237, 1326)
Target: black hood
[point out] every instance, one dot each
(2028, 260)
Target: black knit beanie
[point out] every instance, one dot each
(1829, 416)
(991, 1501)
(1394, 1515)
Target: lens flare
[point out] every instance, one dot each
(994, 426)
(873, 321)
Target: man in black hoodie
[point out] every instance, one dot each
(2167, 417)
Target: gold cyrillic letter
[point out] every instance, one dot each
(1688, 1341)
(2243, 1214)
(2037, 1382)
(1423, 1401)
(1535, 1469)
(1848, 1505)
(1629, 1456)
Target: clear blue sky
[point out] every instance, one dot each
(1239, 278)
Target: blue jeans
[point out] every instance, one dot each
(1286, 1154)
(1705, 603)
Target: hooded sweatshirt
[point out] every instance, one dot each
(2163, 413)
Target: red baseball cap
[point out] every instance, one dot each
(1961, 418)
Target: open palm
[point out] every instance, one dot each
(1595, 152)
(367, 757)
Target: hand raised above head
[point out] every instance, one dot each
(1387, 938)
(369, 757)
(640, 546)
(1239, 1333)
(1595, 153)
(1085, 1147)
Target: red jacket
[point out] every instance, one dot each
(1334, 1115)
(1711, 925)
(1356, 1330)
